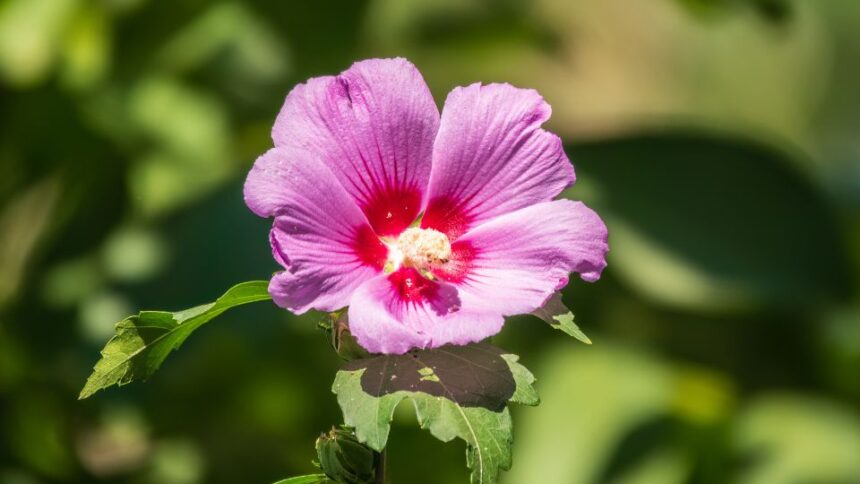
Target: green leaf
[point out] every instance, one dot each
(308, 479)
(525, 392)
(699, 222)
(559, 317)
(336, 324)
(31, 36)
(142, 342)
(600, 398)
(797, 438)
(776, 11)
(458, 392)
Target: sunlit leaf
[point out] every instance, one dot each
(458, 392)
(99, 312)
(133, 253)
(190, 136)
(142, 342)
(793, 438)
(233, 34)
(592, 399)
(177, 461)
(309, 479)
(557, 315)
(86, 48)
(678, 72)
(30, 37)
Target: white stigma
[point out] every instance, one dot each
(420, 248)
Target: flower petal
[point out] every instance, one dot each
(277, 242)
(373, 126)
(397, 312)
(491, 157)
(320, 236)
(514, 262)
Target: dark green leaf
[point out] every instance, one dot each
(776, 11)
(472, 376)
(142, 342)
(556, 314)
(458, 392)
(712, 223)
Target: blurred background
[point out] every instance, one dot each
(718, 139)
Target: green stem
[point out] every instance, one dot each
(380, 468)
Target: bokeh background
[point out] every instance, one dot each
(718, 138)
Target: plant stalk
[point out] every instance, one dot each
(380, 468)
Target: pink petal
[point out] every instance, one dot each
(373, 126)
(514, 262)
(491, 157)
(320, 236)
(277, 241)
(400, 311)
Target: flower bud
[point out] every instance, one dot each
(344, 459)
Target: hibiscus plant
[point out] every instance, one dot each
(416, 234)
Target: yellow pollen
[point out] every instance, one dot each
(423, 248)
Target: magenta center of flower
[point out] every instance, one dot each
(419, 248)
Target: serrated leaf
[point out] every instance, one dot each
(309, 479)
(525, 392)
(556, 314)
(458, 392)
(142, 342)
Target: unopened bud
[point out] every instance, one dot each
(346, 460)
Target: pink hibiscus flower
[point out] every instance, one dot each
(431, 229)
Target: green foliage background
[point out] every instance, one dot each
(717, 138)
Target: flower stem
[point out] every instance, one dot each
(380, 468)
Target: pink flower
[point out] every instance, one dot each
(358, 159)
